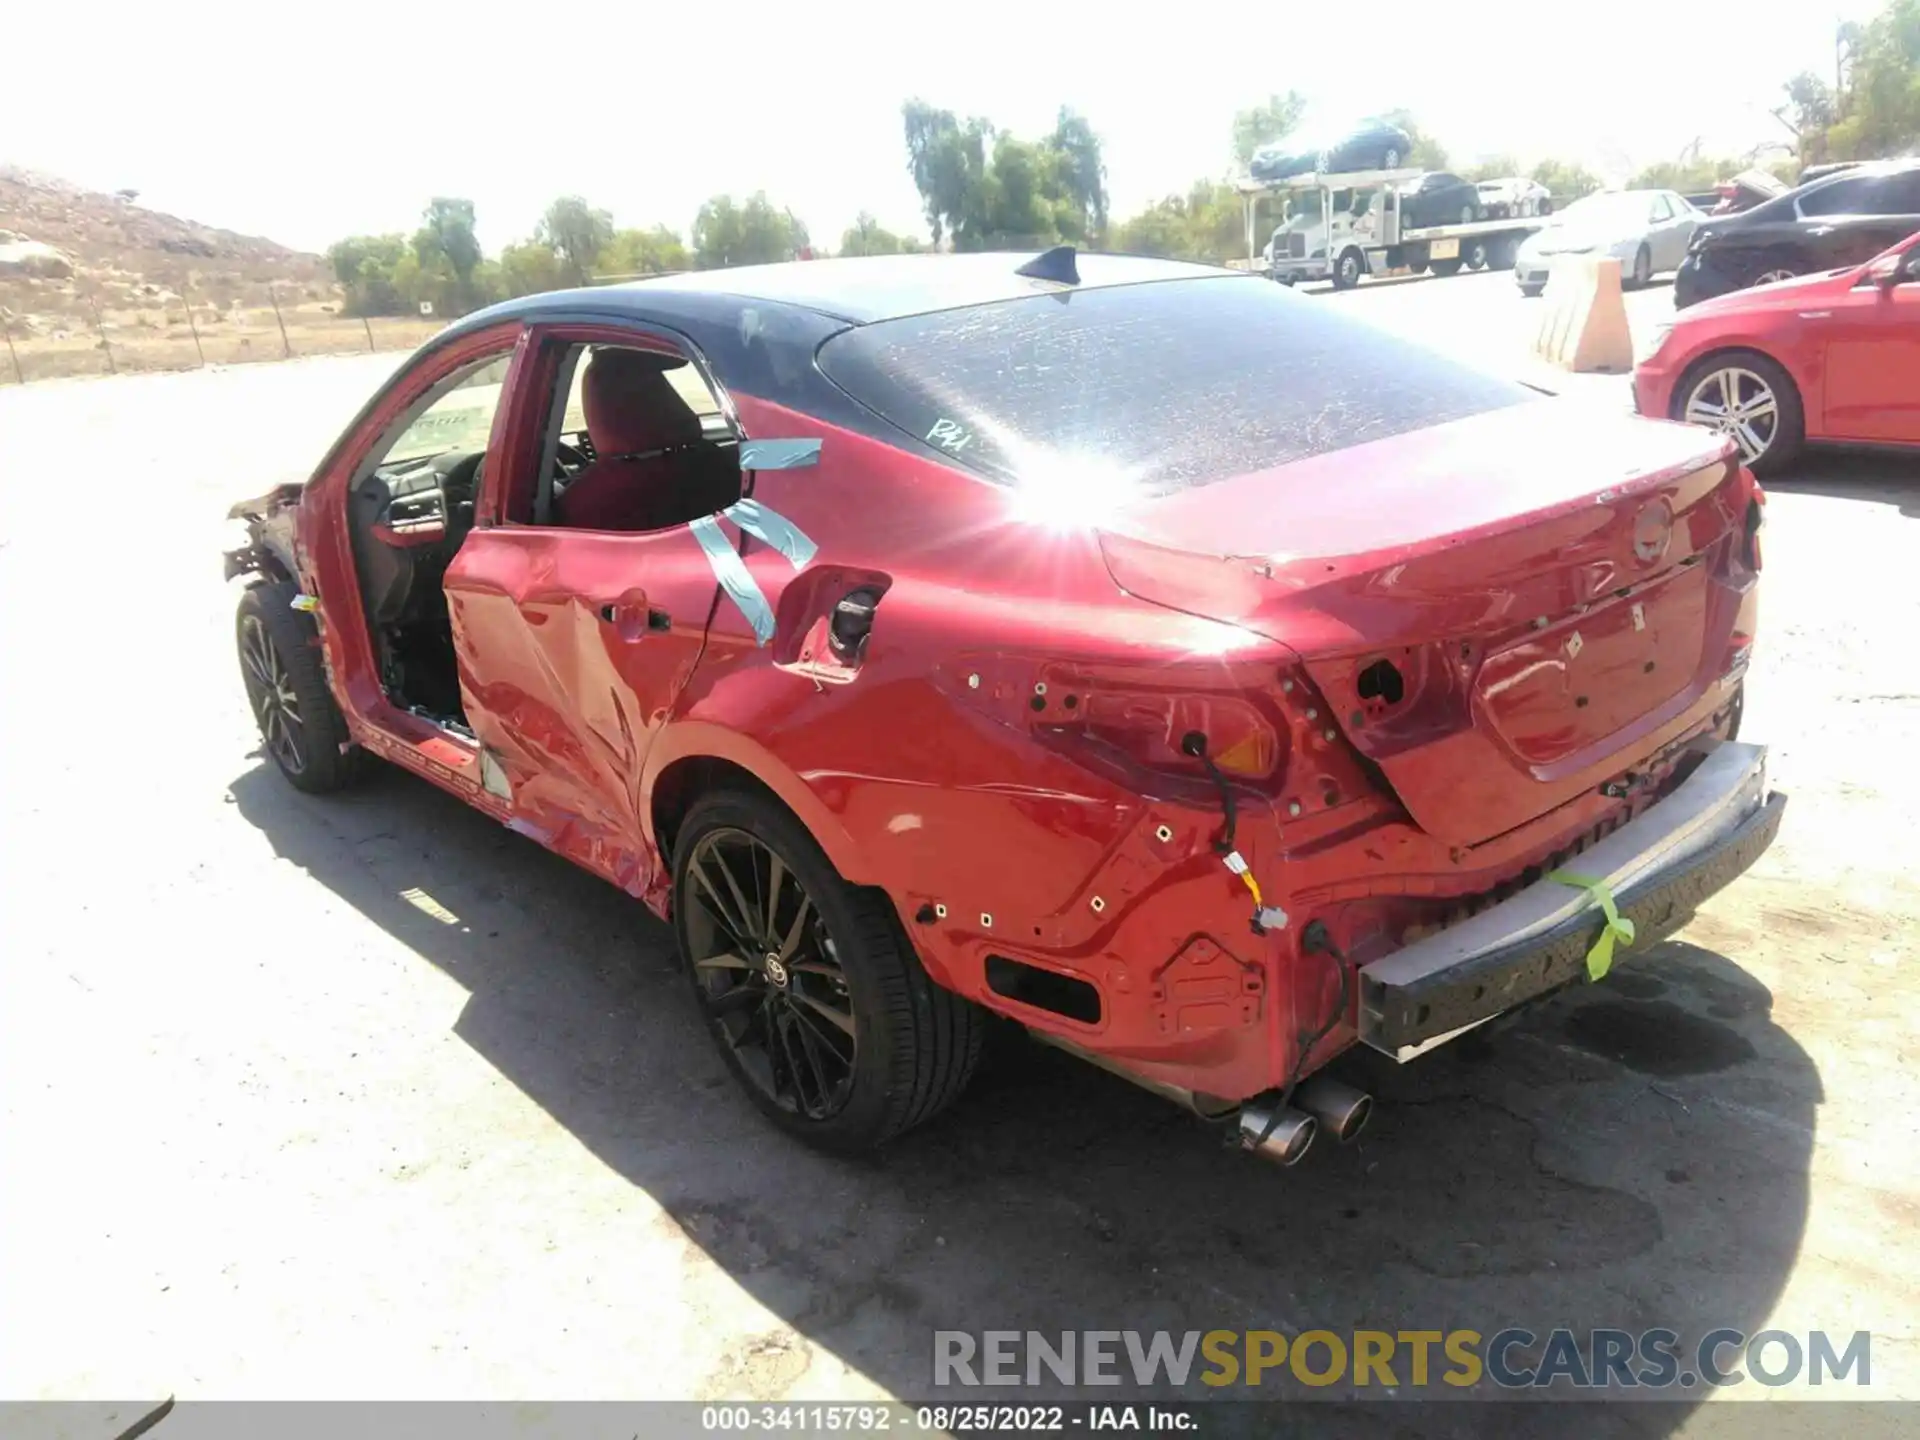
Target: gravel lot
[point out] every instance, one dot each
(275, 1127)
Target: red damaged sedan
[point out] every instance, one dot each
(1201, 679)
(1830, 357)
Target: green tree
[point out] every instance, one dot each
(729, 232)
(1494, 167)
(364, 265)
(1265, 124)
(1566, 180)
(530, 268)
(1208, 223)
(1872, 109)
(1076, 176)
(654, 251)
(576, 233)
(983, 188)
(446, 235)
(866, 236)
(948, 162)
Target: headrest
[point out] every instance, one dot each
(631, 406)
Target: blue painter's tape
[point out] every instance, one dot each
(734, 577)
(774, 528)
(779, 454)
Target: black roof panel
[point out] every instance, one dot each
(880, 287)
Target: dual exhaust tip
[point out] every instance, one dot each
(1284, 1134)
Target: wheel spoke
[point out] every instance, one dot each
(718, 906)
(831, 1039)
(744, 910)
(843, 1022)
(776, 880)
(1749, 442)
(740, 997)
(722, 962)
(795, 930)
(809, 1049)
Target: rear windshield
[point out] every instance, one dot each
(1166, 385)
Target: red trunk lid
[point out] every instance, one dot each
(1499, 612)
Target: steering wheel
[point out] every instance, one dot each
(569, 458)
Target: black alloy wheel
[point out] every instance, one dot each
(768, 975)
(301, 728)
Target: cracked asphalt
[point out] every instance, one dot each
(273, 1127)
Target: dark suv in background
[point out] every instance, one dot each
(1845, 218)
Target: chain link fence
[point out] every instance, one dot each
(53, 333)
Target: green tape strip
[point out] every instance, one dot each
(1600, 957)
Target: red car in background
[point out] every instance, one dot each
(1199, 678)
(1827, 357)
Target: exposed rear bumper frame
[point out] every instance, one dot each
(1660, 868)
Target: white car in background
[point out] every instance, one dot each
(1647, 231)
(1514, 195)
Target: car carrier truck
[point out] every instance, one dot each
(1341, 227)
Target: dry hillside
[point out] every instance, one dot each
(148, 275)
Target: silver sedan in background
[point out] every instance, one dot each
(1647, 231)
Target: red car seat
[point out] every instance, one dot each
(640, 428)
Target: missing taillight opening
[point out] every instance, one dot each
(1044, 989)
(1381, 681)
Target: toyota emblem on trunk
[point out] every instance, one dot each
(1652, 532)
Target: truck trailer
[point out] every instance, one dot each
(1341, 227)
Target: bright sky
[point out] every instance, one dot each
(309, 123)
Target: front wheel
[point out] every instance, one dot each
(811, 992)
(300, 726)
(1745, 395)
(1642, 268)
(1347, 270)
(1390, 159)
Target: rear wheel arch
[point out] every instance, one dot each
(711, 759)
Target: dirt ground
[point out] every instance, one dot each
(366, 1096)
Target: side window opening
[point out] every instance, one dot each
(635, 441)
(411, 506)
(1851, 196)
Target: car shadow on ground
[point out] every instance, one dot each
(1632, 1156)
(1879, 477)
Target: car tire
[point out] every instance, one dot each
(1773, 274)
(1532, 292)
(1444, 268)
(301, 728)
(1527, 207)
(1476, 254)
(1642, 269)
(1348, 269)
(1467, 215)
(1390, 158)
(912, 1045)
(1702, 380)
